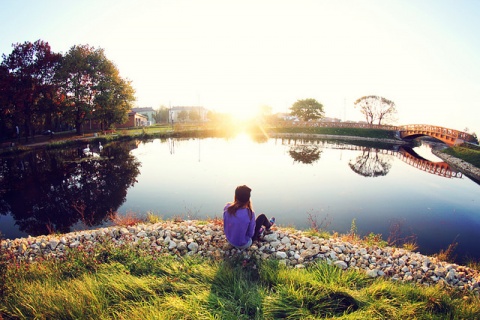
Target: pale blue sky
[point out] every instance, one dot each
(239, 55)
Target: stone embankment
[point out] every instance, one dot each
(291, 247)
(461, 165)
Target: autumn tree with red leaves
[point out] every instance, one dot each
(28, 86)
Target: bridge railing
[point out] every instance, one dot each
(438, 130)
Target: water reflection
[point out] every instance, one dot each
(409, 156)
(307, 154)
(50, 191)
(371, 163)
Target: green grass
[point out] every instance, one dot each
(466, 153)
(358, 132)
(132, 283)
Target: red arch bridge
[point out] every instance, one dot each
(449, 136)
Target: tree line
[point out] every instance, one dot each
(43, 90)
(374, 109)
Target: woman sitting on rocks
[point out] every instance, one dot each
(239, 223)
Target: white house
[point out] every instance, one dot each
(147, 112)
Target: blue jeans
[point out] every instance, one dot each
(245, 246)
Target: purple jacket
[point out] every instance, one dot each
(238, 228)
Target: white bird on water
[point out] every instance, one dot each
(86, 151)
(100, 147)
(89, 153)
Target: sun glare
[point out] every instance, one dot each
(242, 139)
(243, 117)
(243, 114)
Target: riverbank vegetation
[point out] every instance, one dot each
(356, 132)
(467, 152)
(133, 283)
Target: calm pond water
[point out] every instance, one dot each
(398, 192)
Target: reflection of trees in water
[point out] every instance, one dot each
(49, 191)
(305, 153)
(371, 163)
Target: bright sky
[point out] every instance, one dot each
(239, 55)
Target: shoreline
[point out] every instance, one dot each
(336, 137)
(290, 246)
(467, 168)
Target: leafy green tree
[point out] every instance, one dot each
(93, 88)
(114, 99)
(78, 76)
(307, 109)
(30, 84)
(376, 108)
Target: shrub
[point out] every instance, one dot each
(375, 239)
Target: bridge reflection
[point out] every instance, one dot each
(369, 162)
(410, 157)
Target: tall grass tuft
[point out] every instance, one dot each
(129, 219)
(473, 264)
(449, 253)
(152, 218)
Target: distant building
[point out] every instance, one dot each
(188, 114)
(148, 112)
(135, 119)
(286, 116)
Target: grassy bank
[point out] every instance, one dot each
(132, 283)
(357, 132)
(468, 153)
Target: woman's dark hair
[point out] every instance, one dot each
(242, 199)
